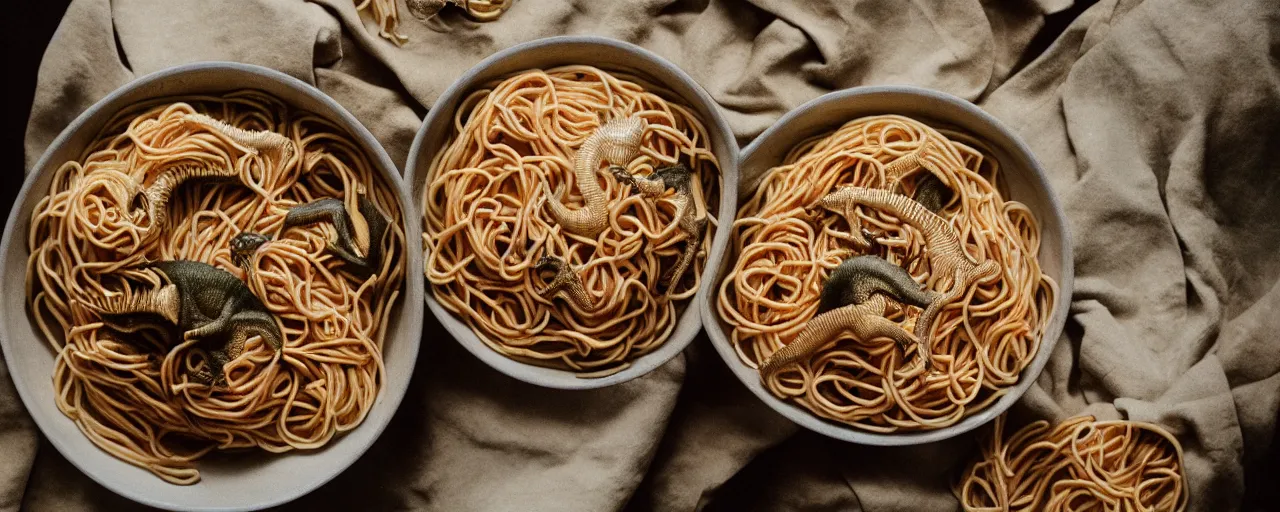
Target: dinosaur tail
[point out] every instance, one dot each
(377, 229)
(587, 221)
(820, 330)
(163, 301)
(264, 140)
(160, 192)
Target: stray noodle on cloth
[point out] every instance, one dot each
(1080, 464)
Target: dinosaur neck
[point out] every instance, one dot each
(584, 170)
(160, 193)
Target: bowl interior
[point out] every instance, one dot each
(1024, 179)
(609, 55)
(247, 480)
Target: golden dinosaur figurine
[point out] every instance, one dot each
(617, 142)
(154, 199)
(947, 258)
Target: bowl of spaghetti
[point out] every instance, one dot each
(570, 188)
(217, 311)
(898, 269)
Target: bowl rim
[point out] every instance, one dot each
(411, 315)
(1049, 338)
(640, 366)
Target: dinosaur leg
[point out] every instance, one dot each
(924, 324)
(205, 330)
(213, 374)
(249, 323)
(857, 234)
(691, 247)
(347, 256)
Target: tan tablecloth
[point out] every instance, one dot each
(1155, 120)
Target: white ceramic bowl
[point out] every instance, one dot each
(1026, 183)
(610, 55)
(242, 481)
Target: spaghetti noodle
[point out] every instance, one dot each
(1081, 464)
(487, 227)
(132, 395)
(784, 256)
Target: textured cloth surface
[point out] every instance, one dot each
(1153, 118)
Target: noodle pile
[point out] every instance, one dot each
(486, 226)
(1079, 465)
(387, 13)
(981, 342)
(132, 394)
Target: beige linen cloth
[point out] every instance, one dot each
(1154, 118)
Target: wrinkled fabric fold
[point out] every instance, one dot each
(1152, 118)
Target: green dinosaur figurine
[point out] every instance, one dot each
(203, 302)
(679, 178)
(363, 235)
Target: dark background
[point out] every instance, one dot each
(28, 26)
(24, 34)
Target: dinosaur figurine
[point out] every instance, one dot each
(358, 234)
(154, 199)
(947, 258)
(565, 280)
(204, 303)
(617, 142)
(854, 299)
(679, 178)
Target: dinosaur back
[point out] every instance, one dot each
(857, 278)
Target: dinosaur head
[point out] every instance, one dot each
(244, 245)
(621, 174)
